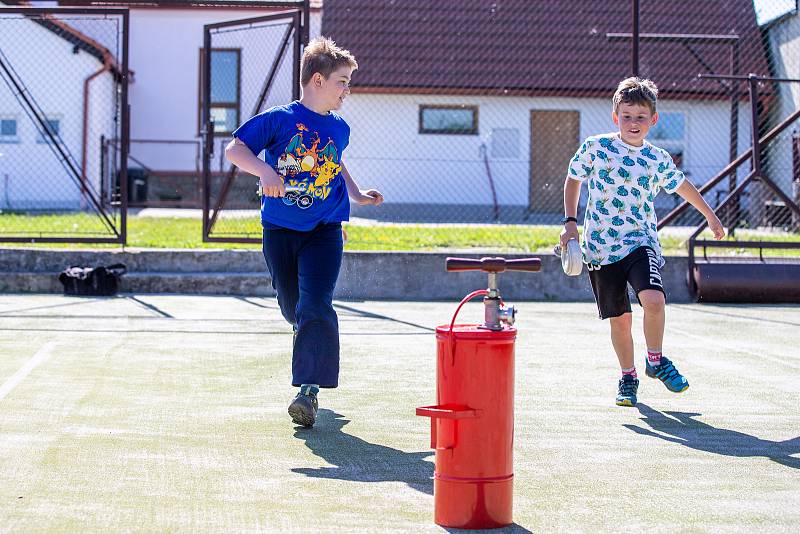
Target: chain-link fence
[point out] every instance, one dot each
(464, 113)
(469, 111)
(266, 51)
(61, 97)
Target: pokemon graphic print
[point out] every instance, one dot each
(623, 182)
(305, 148)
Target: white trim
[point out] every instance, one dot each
(9, 138)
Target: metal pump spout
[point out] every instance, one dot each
(495, 312)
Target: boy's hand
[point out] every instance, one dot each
(272, 186)
(570, 231)
(370, 196)
(715, 226)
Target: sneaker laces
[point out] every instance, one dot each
(627, 387)
(667, 370)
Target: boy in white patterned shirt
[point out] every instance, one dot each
(620, 241)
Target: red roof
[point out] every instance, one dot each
(537, 46)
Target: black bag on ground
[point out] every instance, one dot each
(92, 281)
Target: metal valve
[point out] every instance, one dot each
(507, 314)
(496, 313)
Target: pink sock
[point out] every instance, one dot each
(654, 356)
(630, 372)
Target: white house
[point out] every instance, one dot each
(522, 82)
(784, 41)
(62, 71)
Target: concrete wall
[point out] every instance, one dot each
(364, 275)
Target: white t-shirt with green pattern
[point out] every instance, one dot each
(623, 181)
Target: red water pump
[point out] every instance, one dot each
(472, 423)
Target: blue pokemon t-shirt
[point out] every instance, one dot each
(305, 148)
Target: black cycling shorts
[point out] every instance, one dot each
(610, 282)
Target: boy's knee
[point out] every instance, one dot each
(652, 301)
(621, 321)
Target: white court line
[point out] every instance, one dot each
(25, 370)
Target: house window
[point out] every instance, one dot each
(453, 120)
(669, 133)
(505, 143)
(225, 89)
(8, 130)
(54, 126)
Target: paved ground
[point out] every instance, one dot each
(168, 413)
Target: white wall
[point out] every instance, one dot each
(785, 48)
(31, 176)
(164, 56)
(386, 150)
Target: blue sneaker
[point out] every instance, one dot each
(626, 395)
(667, 373)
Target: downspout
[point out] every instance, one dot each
(85, 135)
(495, 205)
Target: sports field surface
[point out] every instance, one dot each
(166, 413)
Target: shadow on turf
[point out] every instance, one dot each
(359, 460)
(682, 428)
(362, 461)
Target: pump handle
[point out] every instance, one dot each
(493, 265)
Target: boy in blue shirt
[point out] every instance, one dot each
(303, 144)
(620, 241)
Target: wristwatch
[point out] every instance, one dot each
(565, 220)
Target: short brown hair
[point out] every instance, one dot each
(636, 91)
(323, 56)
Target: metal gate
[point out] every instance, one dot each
(63, 92)
(266, 51)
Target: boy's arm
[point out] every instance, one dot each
(572, 193)
(370, 196)
(237, 153)
(689, 192)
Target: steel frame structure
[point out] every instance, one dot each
(297, 32)
(35, 113)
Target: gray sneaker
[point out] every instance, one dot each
(303, 409)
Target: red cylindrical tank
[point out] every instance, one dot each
(472, 426)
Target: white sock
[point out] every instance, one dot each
(654, 356)
(309, 388)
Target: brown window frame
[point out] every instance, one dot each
(237, 106)
(470, 131)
